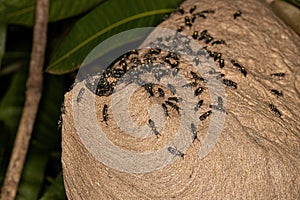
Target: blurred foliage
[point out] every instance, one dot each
(294, 2)
(22, 11)
(289, 13)
(76, 28)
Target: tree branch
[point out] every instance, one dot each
(33, 96)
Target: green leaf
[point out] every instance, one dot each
(11, 108)
(289, 13)
(22, 11)
(106, 20)
(11, 104)
(56, 191)
(45, 139)
(6, 5)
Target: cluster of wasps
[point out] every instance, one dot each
(162, 63)
(207, 39)
(159, 64)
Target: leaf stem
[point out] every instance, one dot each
(34, 88)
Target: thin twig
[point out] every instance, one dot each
(33, 95)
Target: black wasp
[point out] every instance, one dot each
(172, 59)
(242, 69)
(171, 88)
(189, 85)
(219, 107)
(221, 63)
(161, 92)
(193, 18)
(158, 73)
(208, 39)
(280, 74)
(211, 53)
(198, 105)
(180, 28)
(204, 32)
(195, 35)
(187, 21)
(193, 9)
(199, 14)
(275, 110)
(237, 14)
(154, 51)
(149, 88)
(173, 105)
(205, 115)
(133, 51)
(165, 109)
(180, 10)
(175, 151)
(153, 128)
(230, 83)
(118, 73)
(220, 101)
(194, 132)
(104, 87)
(218, 42)
(124, 65)
(80, 94)
(277, 93)
(217, 56)
(176, 99)
(197, 61)
(196, 77)
(198, 91)
(105, 113)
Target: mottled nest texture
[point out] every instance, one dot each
(256, 156)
